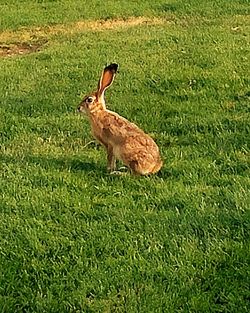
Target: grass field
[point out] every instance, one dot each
(72, 237)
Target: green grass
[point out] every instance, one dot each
(75, 239)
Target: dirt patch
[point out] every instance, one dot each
(18, 49)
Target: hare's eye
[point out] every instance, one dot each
(89, 100)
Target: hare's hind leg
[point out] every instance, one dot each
(135, 168)
(139, 169)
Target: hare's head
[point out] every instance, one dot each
(95, 101)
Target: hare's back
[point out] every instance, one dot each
(142, 145)
(117, 128)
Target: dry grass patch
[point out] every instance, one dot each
(19, 42)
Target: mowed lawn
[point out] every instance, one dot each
(76, 239)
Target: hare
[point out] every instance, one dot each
(122, 139)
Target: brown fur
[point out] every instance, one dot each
(122, 139)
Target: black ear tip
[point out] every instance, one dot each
(112, 67)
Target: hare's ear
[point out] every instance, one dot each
(106, 79)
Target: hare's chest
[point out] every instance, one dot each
(97, 132)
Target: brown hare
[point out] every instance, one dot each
(122, 139)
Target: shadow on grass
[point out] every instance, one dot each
(46, 162)
(72, 165)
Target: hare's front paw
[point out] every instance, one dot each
(122, 171)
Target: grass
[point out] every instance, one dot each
(72, 237)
